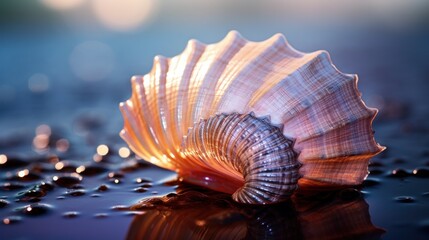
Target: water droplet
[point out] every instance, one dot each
(421, 172)
(140, 189)
(102, 188)
(35, 209)
(24, 176)
(35, 193)
(115, 181)
(65, 167)
(76, 193)
(3, 203)
(120, 208)
(101, 215)
(405, 199)
(142, 180)
(67, 180)
(71, 214)
(12, 220)
(146, 185)
(90, 170)
(399, 173)
(12, 186)
(115, 175)
(61, 197)
(10, 162)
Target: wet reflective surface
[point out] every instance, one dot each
(65, 173)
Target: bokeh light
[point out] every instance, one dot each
(124, 152)
(123, 15)
(62, 4)
(38, 83)
(92, 60)
(3, 159)
(102, 150)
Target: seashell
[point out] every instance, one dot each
(252, 119)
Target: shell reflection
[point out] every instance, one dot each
(240, 117)
(199, 214)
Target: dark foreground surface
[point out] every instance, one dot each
(57, 181)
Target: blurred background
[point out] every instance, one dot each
(63, 58)
(66, 64)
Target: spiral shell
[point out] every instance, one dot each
(241, 117)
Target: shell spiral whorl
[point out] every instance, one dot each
(231, 85)
(249, 147)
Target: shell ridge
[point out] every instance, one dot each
(340, 116)
(270, 51)
(195, 52)
(129, 135)
(251, 118)
(229, 47)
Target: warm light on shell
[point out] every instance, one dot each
(241, 117)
